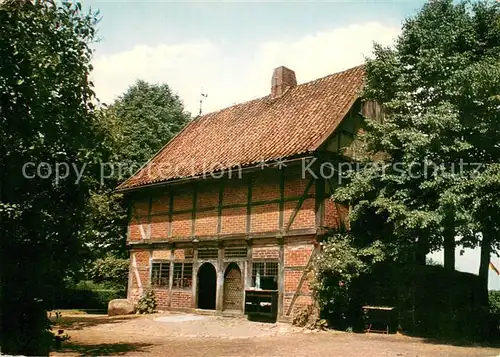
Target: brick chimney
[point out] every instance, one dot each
(283, 78)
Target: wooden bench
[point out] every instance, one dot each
(379, 318)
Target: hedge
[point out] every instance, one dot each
(429, 300)
(86, 299)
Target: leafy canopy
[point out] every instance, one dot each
(147, 116)
(438, 86)
(47, 115)
(139, 124)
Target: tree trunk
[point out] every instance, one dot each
(484, 264)
(421, 251)
(449, 249)
(1, 260)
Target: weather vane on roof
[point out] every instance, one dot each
(202, 95)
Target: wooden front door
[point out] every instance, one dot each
(233, 288)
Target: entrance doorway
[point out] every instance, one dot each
(233, 288)
(207, 286)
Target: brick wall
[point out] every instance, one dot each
(265, 218)
(182, 299)
(266, 188)
(296, 259)
(207, 197)
(135, 228)
(235, 192)
(300, 301)
(162, 298)
(159, 227)
(138, 273)
(141, 207)
(268, 252)
(335, 214)
(206, 223)
(160, 204)
(234, 220)
(161, 254)
(305, 217)
(264, 214)
(297, 254)
(179, 254)
(181, 225)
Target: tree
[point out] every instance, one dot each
(441, 115)
(139, 123)
(147, 117)
(482, 197)
(110, 271)
(480, 100)
(47, 123)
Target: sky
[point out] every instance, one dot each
(228, 50)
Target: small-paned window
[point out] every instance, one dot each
(235, 252)
(183, 275)
(160, 272)
(265, 275)
(208, 253)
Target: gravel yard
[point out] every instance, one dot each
(179, 335)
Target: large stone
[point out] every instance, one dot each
(120, 307)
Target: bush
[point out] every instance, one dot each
(429, 300)
(337, 268)
(111, 271)
(85, 296)
(147, 303)
(494, 301)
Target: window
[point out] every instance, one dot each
(183, 275)
(265, 275)
(235, 252)
(160, 272)
(208, 253)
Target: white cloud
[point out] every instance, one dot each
(230, 77)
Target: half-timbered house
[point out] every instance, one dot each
(240, 198)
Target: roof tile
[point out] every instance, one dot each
(264, 129)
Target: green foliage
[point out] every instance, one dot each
(145, 118)
(47, 115)
(111, 271)
(86, 296)
(147, 302)
(60, 338)
(430, 261)
(438, 85)
(494, 299)
(105, 224)
(138, 124)
(429, 300)
(336, 268)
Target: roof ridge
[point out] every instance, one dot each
(317, 80)
(314, 81)
(230, 107)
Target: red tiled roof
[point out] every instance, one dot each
(263, 129)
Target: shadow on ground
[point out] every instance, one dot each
(491, 343)
(104, 349)
(79, 322)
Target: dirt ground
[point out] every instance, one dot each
(180, 335)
